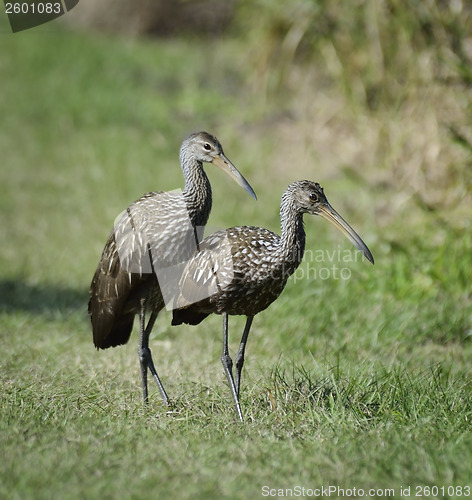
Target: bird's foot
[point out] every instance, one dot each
(146, 362)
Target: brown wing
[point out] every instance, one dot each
(114, 299)
(236, 271)
(151, 236)
(206, 274)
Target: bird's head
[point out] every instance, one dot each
(309, 198)
(204, 147)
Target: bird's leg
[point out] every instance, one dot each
(145, 357)
(228, 366)
(240, 356)
(142, 353)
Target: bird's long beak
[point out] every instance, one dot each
(330, 214)
(222, 162)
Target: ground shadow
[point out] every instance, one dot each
(18, 295)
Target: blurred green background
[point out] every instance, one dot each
(362, 382)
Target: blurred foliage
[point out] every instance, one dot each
(153, 17)
(373, 45)
(380, 89)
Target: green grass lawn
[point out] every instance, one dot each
(362, 382)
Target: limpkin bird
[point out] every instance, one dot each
(242, 270)
(155, 234)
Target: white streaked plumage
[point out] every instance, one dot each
(151, 239)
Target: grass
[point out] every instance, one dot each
(361, 382)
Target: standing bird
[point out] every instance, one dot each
(150, 239)
(242, 270)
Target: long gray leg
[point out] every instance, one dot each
(228, 366)
(145, 357)
(240, 356)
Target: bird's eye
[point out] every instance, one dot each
(207, 147)
(313, 197)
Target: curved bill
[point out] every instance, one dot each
(330, 214)
(222, 162)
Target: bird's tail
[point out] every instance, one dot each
(187, 316)
(118, 335)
